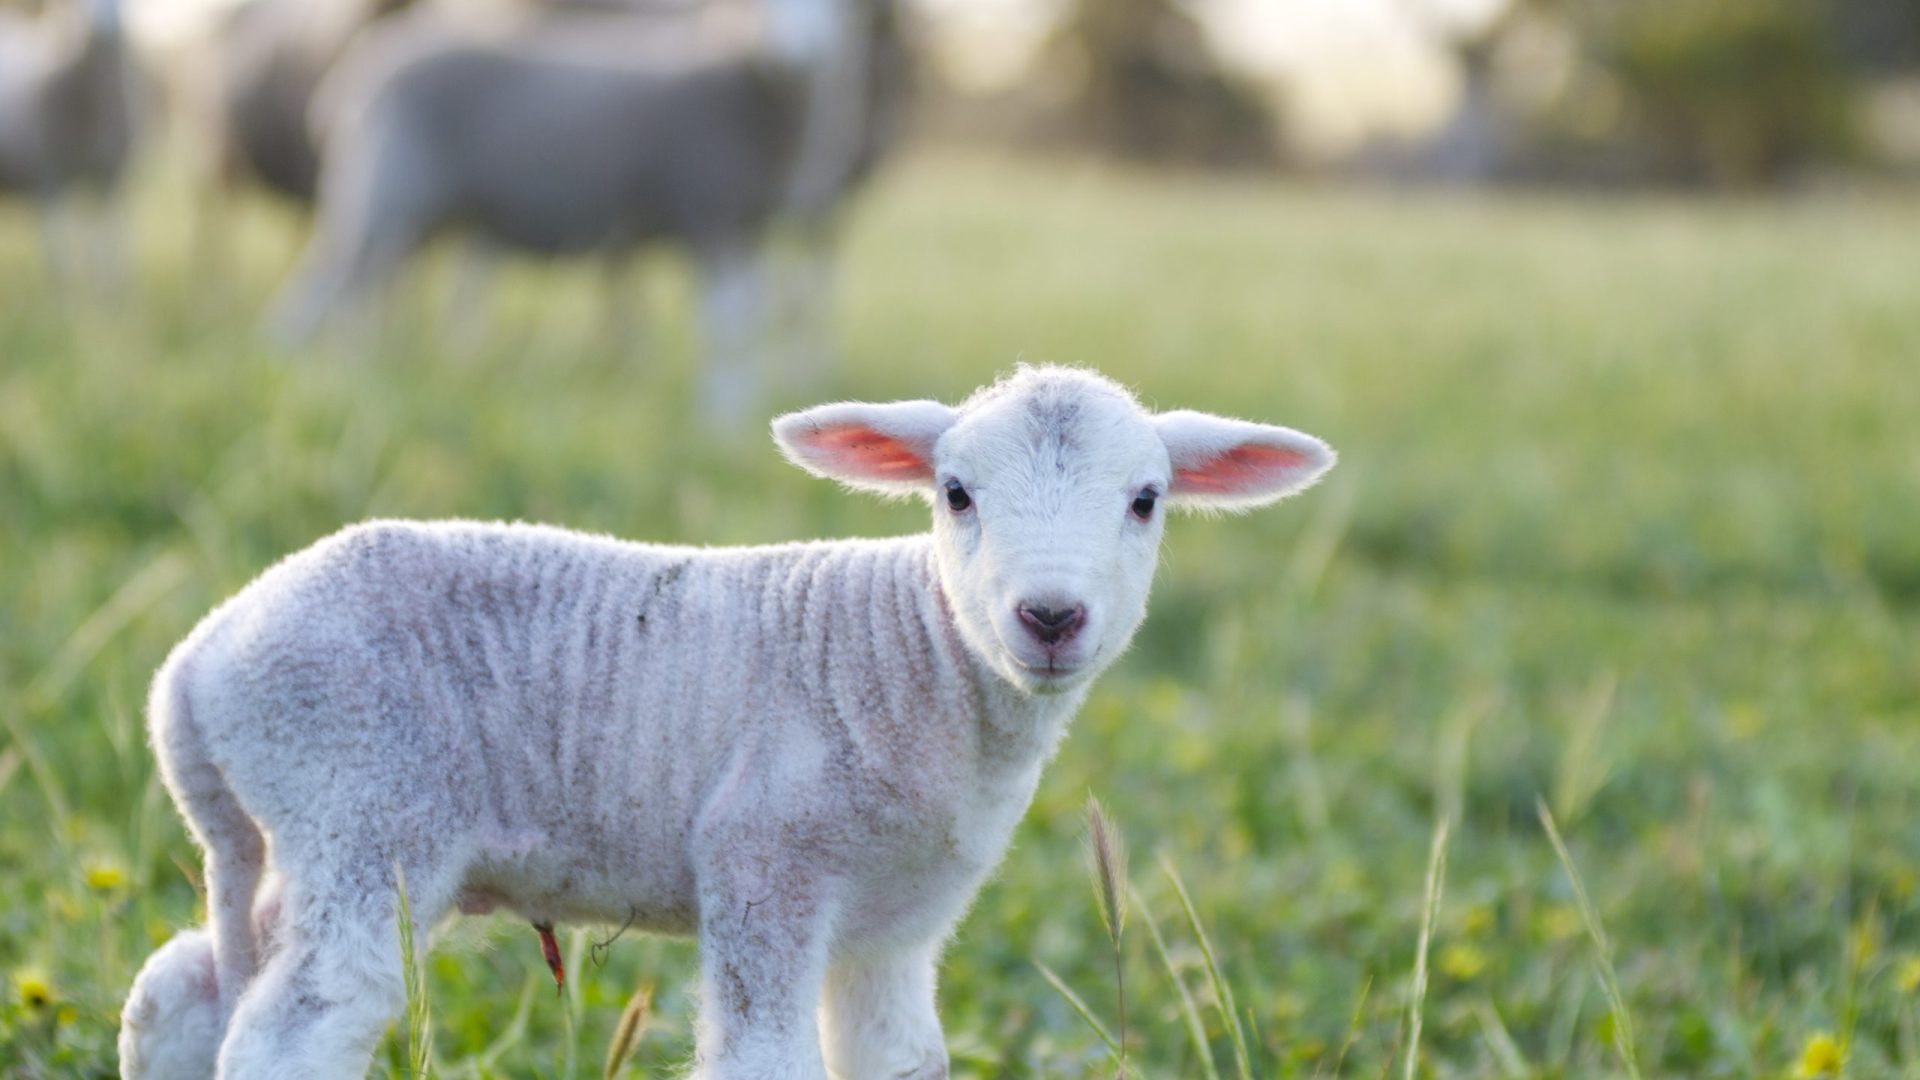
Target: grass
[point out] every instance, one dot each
(1628, 519)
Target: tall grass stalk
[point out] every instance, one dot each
(1353, 1027)
(1429, 910)
(1189, 1012)
(1222, 993)
(419, 1016)
(1079, 1006)
(626, 1035)
(1107, 858)
(1603, 949)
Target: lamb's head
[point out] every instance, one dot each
(1049, 490)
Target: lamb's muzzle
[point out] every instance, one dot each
(691, 741)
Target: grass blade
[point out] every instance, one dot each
(1079, 1006)
(1107, 856)
(1353, 1027)
(1603, 950)
(1222, 993)
(1430, 909)
(626, 1035)
(1189, 1012)
(516, 1029)
(419, 1015)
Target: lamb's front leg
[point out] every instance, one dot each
(879, 1019)
(764, 925)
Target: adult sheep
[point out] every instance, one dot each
(810, 755)
(67, 118)
(597, 133)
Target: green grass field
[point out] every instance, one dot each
(1627, 520)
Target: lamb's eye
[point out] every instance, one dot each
(1143, 504)
(958, 500)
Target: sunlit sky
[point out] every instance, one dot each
(1347, 70)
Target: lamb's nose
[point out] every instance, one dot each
(1051, 624)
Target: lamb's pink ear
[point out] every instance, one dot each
(883, 448)
(1223, 464)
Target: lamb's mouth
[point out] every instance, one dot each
(1053, 671)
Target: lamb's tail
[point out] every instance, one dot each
(170, 1028)
(235, 848)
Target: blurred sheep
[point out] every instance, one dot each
(258, 76)
(67, 121)
(575, 132)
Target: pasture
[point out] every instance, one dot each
(1627, 521)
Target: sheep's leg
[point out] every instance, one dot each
(319, 1007)
(234, 845)
(376, 209)
(236, 859)
(733, 321)
(878, 1019)
(808, 292)
(56, 225)
(469, 317)
(108, 254)
(338, 274)
(622, 310)
(763, 953)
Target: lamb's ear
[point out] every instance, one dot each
(1223, 464)
(883, 448)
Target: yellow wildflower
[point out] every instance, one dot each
(1477, 921)
(1743, 720)
(1560, 922)
(1902, 884)
(105, 877)
(32, 988)
(1462, 962)
(1822, 1056)
(67, 1016)
(1906, 974)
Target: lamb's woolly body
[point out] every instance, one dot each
(569, 712)
(809, 754)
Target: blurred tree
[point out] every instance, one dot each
(1730, 91)
(1146, 85)
(1719, 92)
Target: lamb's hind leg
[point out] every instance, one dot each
(318, 1008)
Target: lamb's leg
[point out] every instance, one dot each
(878, 1019)
(763, 952)
(319, 1007)
(733, 322)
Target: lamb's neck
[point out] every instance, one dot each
(1015, 730)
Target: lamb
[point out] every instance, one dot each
(66, 111)
(580, 133)
(811, 755)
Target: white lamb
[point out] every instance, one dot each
(810, 755)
